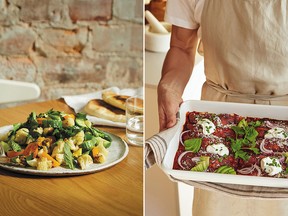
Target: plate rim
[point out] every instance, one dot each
(66, 171)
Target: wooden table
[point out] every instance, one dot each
(115, 191)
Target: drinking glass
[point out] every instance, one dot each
(134, 120)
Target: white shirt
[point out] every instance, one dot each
(185, 13)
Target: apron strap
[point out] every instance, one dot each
(248, 96)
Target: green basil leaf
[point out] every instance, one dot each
(68, 157)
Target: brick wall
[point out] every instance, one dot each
(72, 46)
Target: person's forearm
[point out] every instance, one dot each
(177, 69)
(179, 61)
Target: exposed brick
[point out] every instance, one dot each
(90, 10)
(124, 72)
(67, 58)
(70, 70)
(111, 38)
(3, 11)
(59, 14)
(134, 13)
(137, 38)
(139, 9)
(33, 10)
(20, 69)
(10, 16)
(59, 90)
(16, 40)
(55, 42)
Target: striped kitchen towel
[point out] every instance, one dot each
(155, 149)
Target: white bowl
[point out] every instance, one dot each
(157, 42)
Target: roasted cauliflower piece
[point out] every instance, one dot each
(39, 130)
(71, 144)
(68, 122)
(60, 158)
(21, 136)
(99, 153)
(33, 162)
(78, 138)
(85, 161)
(44, 164)
(59, 149)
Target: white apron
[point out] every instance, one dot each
(246, 51)
(246, 60)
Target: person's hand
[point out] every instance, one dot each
(176, 71)
(169, 101)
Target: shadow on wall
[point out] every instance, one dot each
(72, 47)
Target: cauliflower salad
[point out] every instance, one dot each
(54, 139)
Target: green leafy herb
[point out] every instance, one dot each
(242, 154)
(31, 121)
(193, 144)
(246, 135)
(251, 134)
(238, 130)
(89, 144)
(81, 120)
(255, 150)
(255, 124)
(98, 133)
(61, 133)
(243, 123)
(30, 157)
(55, 115)
(81, 116)
(52, 123)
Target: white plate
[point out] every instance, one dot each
(117, 152)
(275, 112)
(78, 102)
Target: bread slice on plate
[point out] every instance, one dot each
(101, 109)
(114, 99)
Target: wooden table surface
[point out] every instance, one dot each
(115, 191)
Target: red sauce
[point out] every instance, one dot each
(223, 134)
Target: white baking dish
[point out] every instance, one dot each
(251, 110)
